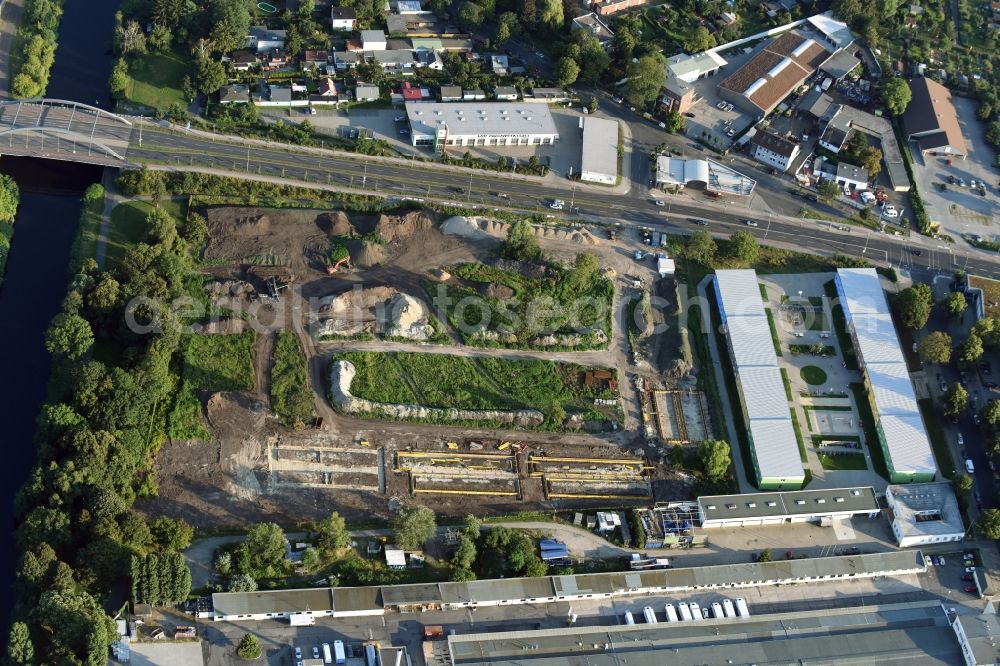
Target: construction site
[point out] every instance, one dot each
(674, 416)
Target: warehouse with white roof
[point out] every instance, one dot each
(774, 448)
(492, 124)
(902, 435)
(599, 152)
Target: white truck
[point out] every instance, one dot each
(339, 656)
(301, 620)
(696, 611)
(671, 613)
(628, 618)
(649, 615)
(741, 607)
(728, 609)
(685, 611)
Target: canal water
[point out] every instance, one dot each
(35, 282)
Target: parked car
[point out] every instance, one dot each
(972, 589)
(970, 570)
(399, 119)
(940, 560)
(967, 577)
(941, 383)
(658, 202)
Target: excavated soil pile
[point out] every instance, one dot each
(497, 291)
(391, 229)
(365, 254)
(335, 224)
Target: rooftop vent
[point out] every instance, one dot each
(800, 502)
(711, 507)
(772, 504)
(752, 505)
(838, 499)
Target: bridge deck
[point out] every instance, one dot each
(63, 130)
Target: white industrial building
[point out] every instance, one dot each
(924, 514)
(901, 432)
(711, 176)
(480, 124)
(797, 506)
(774, 448)
(599, 154)
(690, 68)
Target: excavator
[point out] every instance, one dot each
(333, 268)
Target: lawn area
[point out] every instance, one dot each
(291, 396)
(155, 80)
(499, 308)
(219, 362)
(813, 375)
(437, 380)
(991, 293)
(845, 461)
(798, 437)
(85, 244)
(942, 454)
(128, 224)
(774, 331)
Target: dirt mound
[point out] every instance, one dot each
(498, 291)
(229, 326)
(235, 413)
(365, 254)
(250, 225)
(335, 224)
(463, 227)
(391, 229)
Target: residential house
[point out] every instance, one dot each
(593, 23)
(473, 95)
(275, 59)
(343, 18)
(373, 40)
(234, 94)
(412, 93)
(279, 94)
(546, 95)
(315, 59)
(429, 59)
(609, 7)
(244, 60)
(851, 177)
(263, 39)
(677, 95)
(834, 137)
(366, 93)
(405, 7)
(451, 94)
(506, 93)
(773, 150)
(327, 88)
(728, 18)
(499, 64)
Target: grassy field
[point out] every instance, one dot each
(128, 225)
(185, 421)
(85, 244)
(220, 362)
(470, 311)
(813, 375)
(843, 461)
(942, 453)
(155, 80)
(436, 380)
(291, 398)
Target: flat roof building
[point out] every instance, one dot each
(900, 428)
(931, 120)
(493, 124)
(774, 449)
(796, 506)
(690, 68)
(599, 153)
(840, 64)
(924, 514)
(770, 76)
(913, 633)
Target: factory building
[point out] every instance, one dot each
(443, 125)
(797, 506)
(924, 514)
(599, 152)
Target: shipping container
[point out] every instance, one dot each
(649, 614)
(728, 609)
(741, 608)
(671, 613)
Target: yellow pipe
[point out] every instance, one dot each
(466, 492)
(582, 496)
(446, 454)
(617, 461)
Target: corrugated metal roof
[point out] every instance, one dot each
(777, 449)
(909, 447)
(766, 393)
(877, 339)
(751, 341)
(863, 291)
(893, 389)
(791, 503)
(739, 292)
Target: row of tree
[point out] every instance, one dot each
(160, 578)
(37, 35)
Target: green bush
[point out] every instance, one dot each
(220, 362)
(35, 48)
(291, 397)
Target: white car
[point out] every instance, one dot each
(890, 211)
(399, 119)
(557, 204)
(658, 202)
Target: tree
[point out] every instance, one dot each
(10, 196)
(210, 75)
(262, 554)
(521, 243)
(551, 14)
(955, 305)
(935, 348)
(914, 306)
(413, 527)
(310, 559)
(593, 59)
(224, 563)
(972, 350)
(20, 649)
(765, 555)
(470, 15)
(645, 77)
(956, 400)
(170, 534)
(69, 336)
(962, 483)
(118, 82)
(566, 72)
(582, 276)
(714, 455)
(507, 27)
(332, 533)
(698, 40)
(249, 647)
(991, 412)
(674, 122)
(989, 523)
(242, 583)
(871, 159)
(130, 39)
(743, 248)
(473, 526)
(528, 12)
(827, 190)
(465, 553)
(896, 94)
(701, 248)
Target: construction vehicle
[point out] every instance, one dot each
(453, 446)
(503, 446)
(333, 268)
(365, 442)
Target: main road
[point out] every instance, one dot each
(401, 178)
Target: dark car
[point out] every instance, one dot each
(991, 385)
(915, 253)
(972, 589)
(813, 197)
(699, 222)
(967, 577)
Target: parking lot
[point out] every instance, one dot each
(961, 210)
(716, 123)
(348, 122)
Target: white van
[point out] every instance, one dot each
(969, 467)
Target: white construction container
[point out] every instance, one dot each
(301, 620)
(684, 611)
(649, 614)
(696, 611)
(717, 612)
(671, 613)
(741, 607)
(728, 609)
(628, 618)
